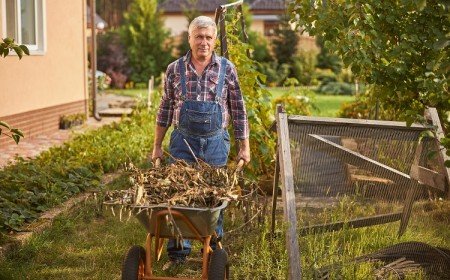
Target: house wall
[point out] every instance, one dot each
(257, 26)
(177, 23)
(37, 89)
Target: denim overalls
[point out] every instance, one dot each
(200, 124)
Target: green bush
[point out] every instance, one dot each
(31, 186)
(257, 99)
(294, 101)
(260, 47)
(336, 88)
(303, 68)
(324, 76)
(366, 107)
(275, 74)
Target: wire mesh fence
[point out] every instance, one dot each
(348, 190)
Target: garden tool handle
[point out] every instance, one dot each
(240, 165)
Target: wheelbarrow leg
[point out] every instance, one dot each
(206, 251)
(148, 256)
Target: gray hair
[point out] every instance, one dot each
(202, 22)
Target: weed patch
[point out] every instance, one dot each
(31, 186)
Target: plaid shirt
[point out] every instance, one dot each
(203, 89)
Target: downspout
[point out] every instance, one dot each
(94, 62)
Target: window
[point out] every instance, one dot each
(23, 20)
(270, 27)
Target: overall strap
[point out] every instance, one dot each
(182, 70)
(223, 66)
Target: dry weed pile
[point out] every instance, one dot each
(178, 184)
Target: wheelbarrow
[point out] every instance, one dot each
(162, 222)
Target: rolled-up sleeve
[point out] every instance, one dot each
(166, 107)
(237, 105)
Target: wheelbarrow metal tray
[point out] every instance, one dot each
(203, 219)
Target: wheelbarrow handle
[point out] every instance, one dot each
(240, 165)
(157, 162)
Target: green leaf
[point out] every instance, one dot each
(5, 125)
(18, 51)
(5, 52)
(8, 40)
(25, 49)
(17, 131)
(441, 44)
(421, 4)
(16, 138)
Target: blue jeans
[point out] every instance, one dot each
(213, 150)
(177, 252)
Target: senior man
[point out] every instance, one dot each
(201, 97)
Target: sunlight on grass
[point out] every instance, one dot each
(323, 105)
(90, 244)
(139, 93)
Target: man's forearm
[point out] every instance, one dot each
(244, 150)
(160, 132)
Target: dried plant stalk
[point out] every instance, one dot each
(181, 184)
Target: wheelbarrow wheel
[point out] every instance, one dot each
(218, 265)
(134, 263)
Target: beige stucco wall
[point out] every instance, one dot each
(258, 26)
(177, 24)
(58, 76)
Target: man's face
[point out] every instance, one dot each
(202, 42)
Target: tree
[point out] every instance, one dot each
(112, 58)
(6, 47)
(285, 44)
(326, 59)
(401, 47)
(146, 40)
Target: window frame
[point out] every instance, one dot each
(40, 48)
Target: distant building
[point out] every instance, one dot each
(265, 16)
(265, 13)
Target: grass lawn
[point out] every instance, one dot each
(89, 243)
(139, 93)
(323, 105)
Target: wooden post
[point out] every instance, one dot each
(150, 91)
(409, 201)
(223, 34)
(290, 216)
(275, 191)
(442, 153)
(94, 62)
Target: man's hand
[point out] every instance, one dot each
(244, 150)
(157, 152)
(160, 132)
